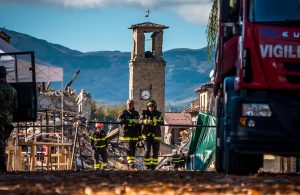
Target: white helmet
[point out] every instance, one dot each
(129, 101)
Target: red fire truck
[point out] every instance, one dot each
(257, 83)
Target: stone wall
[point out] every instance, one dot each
(147, 74)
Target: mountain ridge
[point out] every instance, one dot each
(105, 74)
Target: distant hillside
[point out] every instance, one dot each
(105, 73)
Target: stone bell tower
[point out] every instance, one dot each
(147, 68)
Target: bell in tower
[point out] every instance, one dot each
(147, 68)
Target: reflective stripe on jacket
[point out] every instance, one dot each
(130, 130)
(152, 131)
(99, 139)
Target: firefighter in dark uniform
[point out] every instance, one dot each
(151, 133)
(99, 145)
(178, 160)
(8, 103)
(130, 131)
(182, 162)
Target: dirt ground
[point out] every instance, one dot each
(146, 182)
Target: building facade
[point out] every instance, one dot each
(147, 68)
(172, 134)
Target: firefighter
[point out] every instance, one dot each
(182, 162)
(130, 131)
(8, 104)
(176, 161)
(151, 120)
(99, 145)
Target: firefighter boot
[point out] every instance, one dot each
(104, 166)
(96, 166)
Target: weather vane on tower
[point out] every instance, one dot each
(148, 14)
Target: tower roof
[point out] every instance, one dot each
(148, 26)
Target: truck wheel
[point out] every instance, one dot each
(240, 163)
(219, 146)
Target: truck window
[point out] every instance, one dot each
(274, 11)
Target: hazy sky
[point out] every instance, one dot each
(102, 25)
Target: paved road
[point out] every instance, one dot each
(146, 182)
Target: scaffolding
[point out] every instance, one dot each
(42, 145)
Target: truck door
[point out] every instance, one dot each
(21, 75)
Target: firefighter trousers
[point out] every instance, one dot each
(130, 150)
(5, 131)
(151, 162)
(97, 153)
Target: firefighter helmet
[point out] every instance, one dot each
(152, 103)
(99, 125)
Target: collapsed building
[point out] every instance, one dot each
(52, 127)
(44, 122)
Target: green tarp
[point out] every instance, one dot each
(202, 145)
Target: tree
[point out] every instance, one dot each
(107, 113)
(212, 27)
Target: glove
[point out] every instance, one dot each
(149, 122)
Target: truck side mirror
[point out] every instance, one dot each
(229, 11)
(224, 10)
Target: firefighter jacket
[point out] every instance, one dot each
(130, 130)
(8, 103)
(99, 140)
(151, 132)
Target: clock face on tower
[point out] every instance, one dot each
(145, 94)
